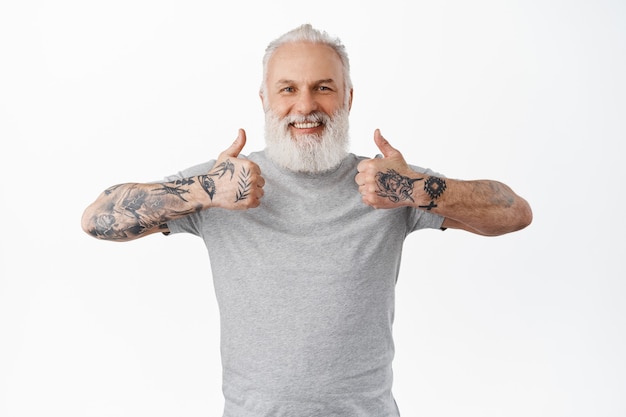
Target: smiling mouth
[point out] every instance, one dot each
(306, 125)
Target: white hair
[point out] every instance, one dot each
(307, 33)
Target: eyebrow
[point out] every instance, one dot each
(318, 82)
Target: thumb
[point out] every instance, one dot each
(382, 143)
(237, 146)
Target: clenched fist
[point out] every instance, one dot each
(386, 182)
(234, 183)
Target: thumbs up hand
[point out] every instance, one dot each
(234, 183)
(387, 181)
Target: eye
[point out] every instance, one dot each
(324, 88)
(287, 90)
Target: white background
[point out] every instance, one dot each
(531, 93)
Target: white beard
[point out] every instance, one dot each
(307, 153)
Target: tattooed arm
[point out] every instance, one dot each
(132, 210)
(483, 207)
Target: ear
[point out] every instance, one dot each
(350, 99)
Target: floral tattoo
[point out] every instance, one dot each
(244, 185)
(398, 187)
(394, 186)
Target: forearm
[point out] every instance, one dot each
(128, 211)
(483, 206)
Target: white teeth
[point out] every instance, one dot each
(306, 125)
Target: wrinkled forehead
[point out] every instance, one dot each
(304, 62)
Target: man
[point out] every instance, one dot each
(304, 261)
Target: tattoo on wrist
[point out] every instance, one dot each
(177, 191)
(394, 186)
(430, 206)
(244, 185)
(434, 187)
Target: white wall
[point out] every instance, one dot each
(531, 93)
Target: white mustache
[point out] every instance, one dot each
(307, 153)
(316, 117)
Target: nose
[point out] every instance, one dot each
(306, 102)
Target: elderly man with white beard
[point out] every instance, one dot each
(305, 239)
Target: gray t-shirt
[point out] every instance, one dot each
(305, 285)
